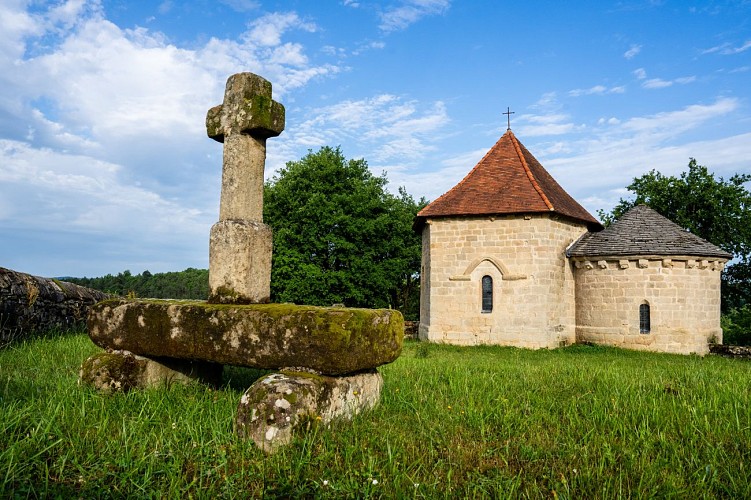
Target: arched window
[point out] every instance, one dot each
(487, 294)
(644, 319)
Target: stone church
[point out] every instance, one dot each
(510, 258)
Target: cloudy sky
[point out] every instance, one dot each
(105, 164)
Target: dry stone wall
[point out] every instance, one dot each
(30, 304)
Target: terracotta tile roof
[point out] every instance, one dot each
(508, 180)
(642, 231)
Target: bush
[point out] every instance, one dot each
(736, 326)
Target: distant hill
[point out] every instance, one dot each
(188, 284)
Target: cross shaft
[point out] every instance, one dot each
(243, 122)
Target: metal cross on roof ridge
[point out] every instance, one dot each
(508, 114)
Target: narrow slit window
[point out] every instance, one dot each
(487, 294)
(644, 320)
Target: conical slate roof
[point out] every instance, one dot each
(507, 180)
(642, 231)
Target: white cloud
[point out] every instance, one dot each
(659, 83)
(103, 128)
(686, 79)
(604, 167)
(656, 83)
(437, 181)
(409, 12)
(85, 195)
(597, 90)
(608, 121)
(268, 30)
(241, 5)
(67, 13)
(640, 73)
(673, 123)
(632, 52)
(726, 49)
(165, 7)
(547, 124)
(547, 103)
(386, 127)
(610, 157)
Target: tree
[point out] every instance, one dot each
(714, 209)
(339, 236)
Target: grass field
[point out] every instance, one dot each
(578, 422)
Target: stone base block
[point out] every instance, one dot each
(278, 404)
(240, 262)
(328, 340)
(114, 371)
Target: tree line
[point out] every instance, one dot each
(188, 284)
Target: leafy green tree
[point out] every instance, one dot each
(715, 209)
(736, 326)
(340, 237)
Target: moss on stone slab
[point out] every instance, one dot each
(331, 341)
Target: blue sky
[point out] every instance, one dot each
(105, 164)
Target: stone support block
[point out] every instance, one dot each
(114, 371)
(240, 262)
(278, 404)
(332, 341)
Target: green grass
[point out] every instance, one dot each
(490, 422)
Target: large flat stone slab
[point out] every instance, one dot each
(328, 340)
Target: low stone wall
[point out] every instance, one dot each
(411, 329)
(30, 303)
(731, 351)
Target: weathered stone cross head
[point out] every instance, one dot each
(247, 109)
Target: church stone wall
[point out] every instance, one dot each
(533, 285)
(683, 295)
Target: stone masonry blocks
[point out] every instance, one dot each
(684, 303)
(240, 262)
(540, 304)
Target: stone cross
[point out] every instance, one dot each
(240, 244)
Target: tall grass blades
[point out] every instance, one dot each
(480, 422)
